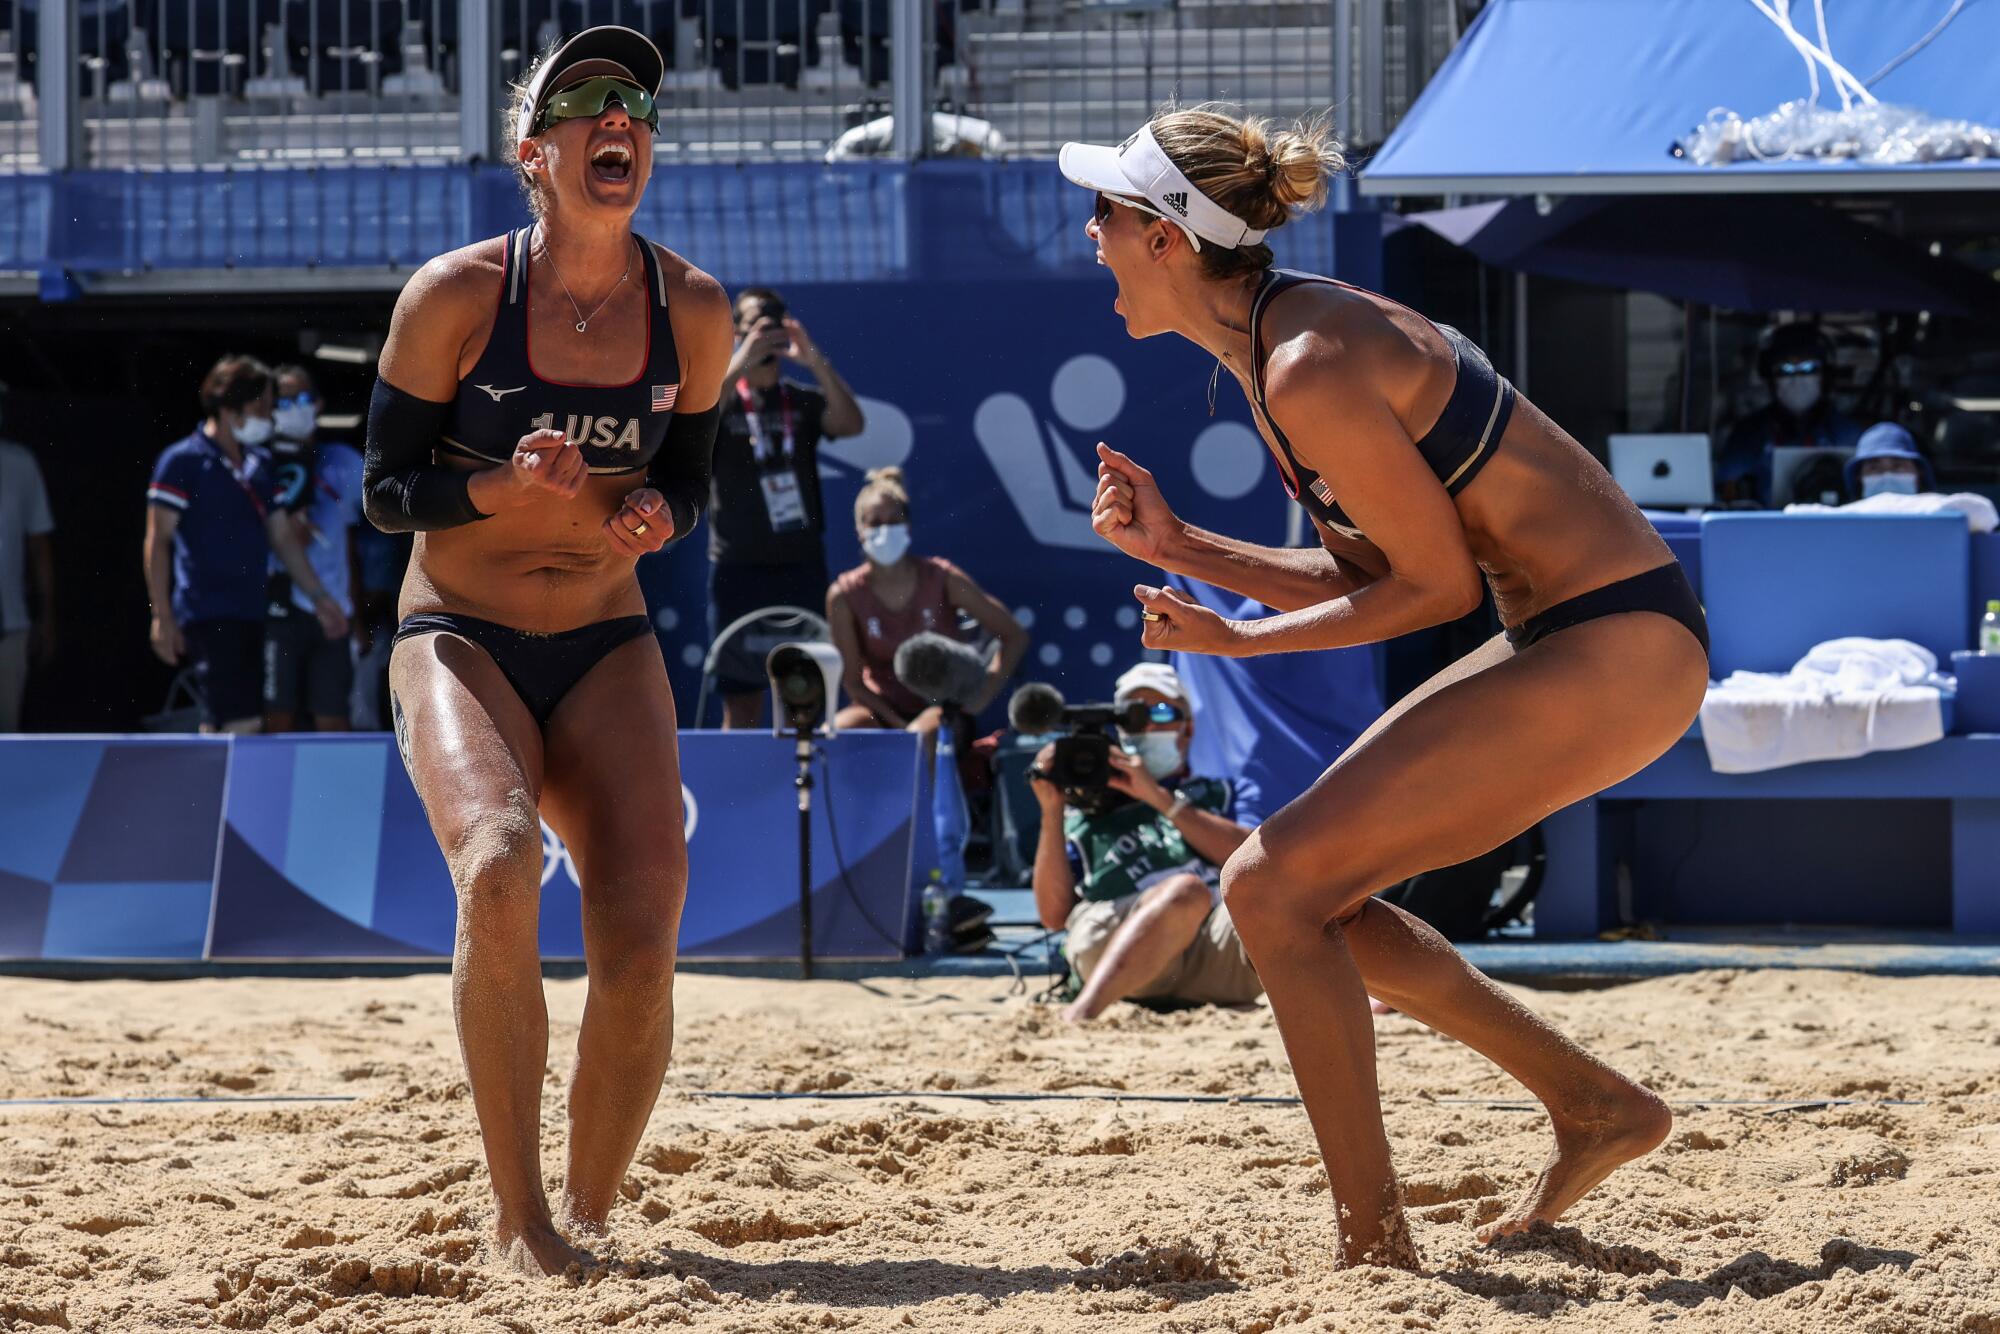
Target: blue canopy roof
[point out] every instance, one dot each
(1777, 252)
(1589, 96)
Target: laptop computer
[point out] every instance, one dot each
(1788, 461)
(1667, 471)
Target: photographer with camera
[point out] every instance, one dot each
(767, 522)
(1128, 864)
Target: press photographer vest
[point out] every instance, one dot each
(1130, 844)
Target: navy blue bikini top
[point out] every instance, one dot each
(618, 427)
(1466, 435)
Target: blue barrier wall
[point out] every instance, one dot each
(770, 223)
(317, 848)
(107, 845)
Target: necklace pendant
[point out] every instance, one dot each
(580, 324)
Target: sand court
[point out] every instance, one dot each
(1872, 1206)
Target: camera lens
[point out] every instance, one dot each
(799, 687)
(801, 683)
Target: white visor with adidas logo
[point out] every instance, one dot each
(1140, 167)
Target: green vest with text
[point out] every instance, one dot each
(1122, 848)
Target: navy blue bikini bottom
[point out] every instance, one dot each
(1664, 589)
(541, 668)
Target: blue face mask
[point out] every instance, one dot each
(1889, 484)
(1160, 752)
(887, 543)
(296, 417)
(1799, 393)
(254, 431)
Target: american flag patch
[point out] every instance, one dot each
(664, 396)
(1321, 491)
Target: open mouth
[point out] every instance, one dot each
(612, 162)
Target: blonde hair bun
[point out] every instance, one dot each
(1259, 173)
(881, 484)
(1302, 160)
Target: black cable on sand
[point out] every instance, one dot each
(975, 1095)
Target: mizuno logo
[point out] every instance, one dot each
(1177, 201)
(498, 394)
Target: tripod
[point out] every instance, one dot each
(802, 751)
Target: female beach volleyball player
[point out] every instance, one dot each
(1422, 469)
(543, 418)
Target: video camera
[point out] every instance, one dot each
(805, 687)
(1081, 766)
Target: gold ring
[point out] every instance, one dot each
(1151, 616)
(640, 531)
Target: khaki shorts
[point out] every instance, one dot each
(1214, 970)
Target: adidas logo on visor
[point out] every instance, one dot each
(1177, 201)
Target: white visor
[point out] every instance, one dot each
(1149, 676)
(1140, 167)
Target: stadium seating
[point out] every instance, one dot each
(760, 41)
(749, 80)
(205, 45)
(864, 38)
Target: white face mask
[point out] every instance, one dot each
(1889, 483)
(1160, 752)
(1798, 393)
(296, 421)
(887, 544)
(254, 431)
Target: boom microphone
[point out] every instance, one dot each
(1035, 709)
(940, 670)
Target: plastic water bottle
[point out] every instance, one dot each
(937, 914)
(1989, 629)
(948, 813)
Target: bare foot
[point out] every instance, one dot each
(1393, 1248)
(1589, 1148)
(1076, 1013)
(538, 1250)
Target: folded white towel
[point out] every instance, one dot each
(1980, 514)
(1846, 697)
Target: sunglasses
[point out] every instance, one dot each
(1808, 367)
(589, 97)
(1104, 203)
(302, 399)
(1161, 713)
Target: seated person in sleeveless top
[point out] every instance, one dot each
(893, 595)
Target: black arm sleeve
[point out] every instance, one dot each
(402, 489)
(680, 469)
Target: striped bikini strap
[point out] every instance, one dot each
(656, 272)
(514, 268)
